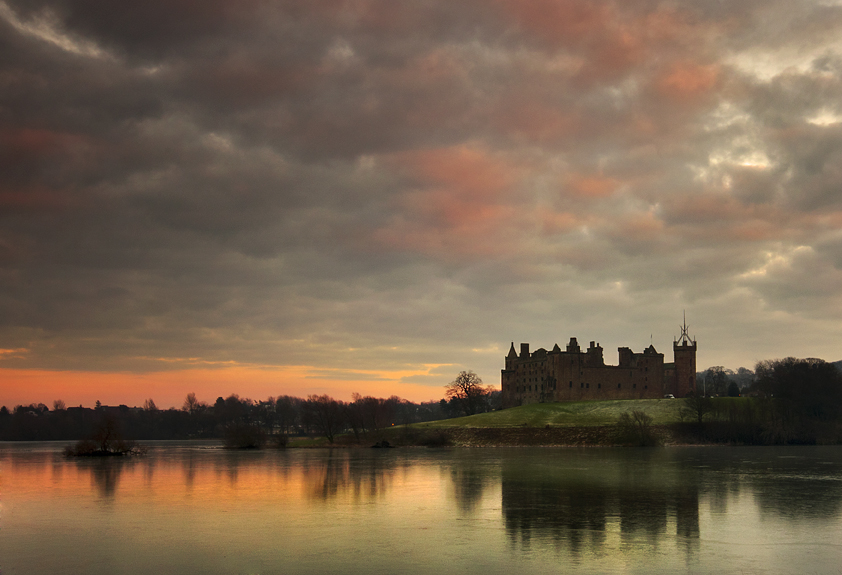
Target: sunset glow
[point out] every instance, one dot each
(288, 198)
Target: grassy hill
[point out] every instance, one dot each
(567, 414)
(575, 423)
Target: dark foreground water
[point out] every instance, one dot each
(195, 508)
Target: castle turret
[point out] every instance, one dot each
(510, 359)
(684, 354)
(594, 355)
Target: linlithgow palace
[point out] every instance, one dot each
(575, 374)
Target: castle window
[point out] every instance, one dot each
(618, 385)
(571, 384)
(599, 386)
(634, 386)
(588, 385)
(645, 387)
(582, 384)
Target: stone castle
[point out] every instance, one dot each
(573, 374)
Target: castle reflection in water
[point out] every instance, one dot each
(578, 508)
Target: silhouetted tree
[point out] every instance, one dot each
(190, 403)
(635, 427)
(355, 415)
(468, 390)
(803, 389)
(287, 413)
(325, 415)
(697, 406)
(715, 381)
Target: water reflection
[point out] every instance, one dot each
(470, 480)
(574, 502)
(104, 474)
(527, 510)
(339, 473)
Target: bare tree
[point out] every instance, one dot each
(636, 427)
(697, 406)
(715, 381)
(59, 405)
(324, 414)
(468, 390)
(287, 413)
(190, 403)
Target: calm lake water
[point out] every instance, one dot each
(195, 508)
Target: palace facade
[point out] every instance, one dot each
(575, 374)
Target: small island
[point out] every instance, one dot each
(106, 441)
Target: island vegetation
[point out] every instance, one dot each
(106, 441)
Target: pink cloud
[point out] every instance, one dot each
(591, 186)
(36, 197)
(28, 144)
(687, 81)
(460, 201)
(612, 37)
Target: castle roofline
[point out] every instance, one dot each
(512, 352)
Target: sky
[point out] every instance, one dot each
(337, 196)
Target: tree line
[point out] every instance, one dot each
(721, 382)
(792, 401)
(243, 420)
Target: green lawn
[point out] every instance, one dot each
(572, 414)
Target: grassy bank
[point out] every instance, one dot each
(567, 414)
(584, 423)
(570, 423)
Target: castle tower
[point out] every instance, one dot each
(512, 357)
(684, 355)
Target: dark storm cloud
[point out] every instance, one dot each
(371, 185)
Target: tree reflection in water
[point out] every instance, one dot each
(105, 473)
(470, 478)
(342, 473)
(574, 502)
